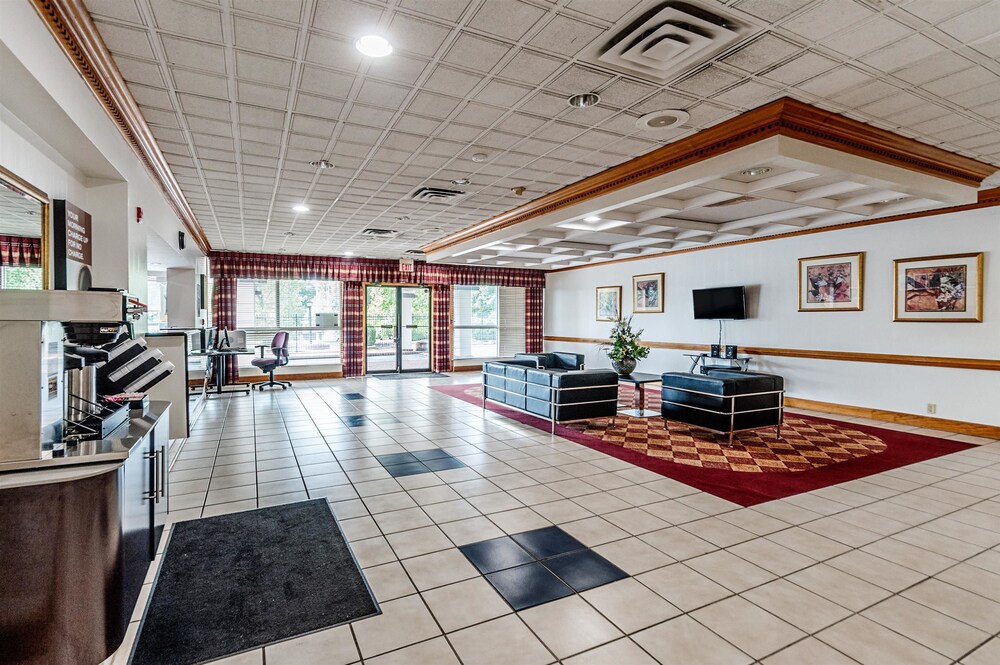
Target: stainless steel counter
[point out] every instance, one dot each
(94, 452)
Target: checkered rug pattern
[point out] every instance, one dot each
(803, 445)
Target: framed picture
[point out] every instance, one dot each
(939, 288)
(833, 283)
(609, 303)
(647, 293)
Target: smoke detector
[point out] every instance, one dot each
(755, 171)
(663, 120)
(321, 164)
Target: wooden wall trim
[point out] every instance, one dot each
(815, 354)
(783, 117)
(987, 198)
(75, 32)
(961, 427)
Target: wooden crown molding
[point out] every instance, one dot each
(75, 32)
(815, 354)
(783, 117)
(987, 198)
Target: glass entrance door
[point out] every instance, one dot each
(397, 329)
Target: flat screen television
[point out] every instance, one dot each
(727, 302)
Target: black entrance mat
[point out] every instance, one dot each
(410, 375)
(240, 581)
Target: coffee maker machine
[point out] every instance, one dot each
(35, 403)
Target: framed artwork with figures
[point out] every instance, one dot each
(609, 303)
(832, 283)
(647, 293)
(946, 288)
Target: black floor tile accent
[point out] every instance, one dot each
(355, 421)
(529, 585)
(584, 570)
(410, 469)
(550, 541)
(421, 461)
(352, 396)
(535, 567)
(490, 556)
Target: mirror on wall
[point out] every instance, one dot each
(24, 214)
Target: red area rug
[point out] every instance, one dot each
(812, 452)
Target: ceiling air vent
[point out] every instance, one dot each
(668, 40)
(380, 233)
(436, 195)
(414, 252)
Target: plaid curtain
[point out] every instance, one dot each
(533, 312)
(441, 328)
(352, 329)
(20, 251)
(224, 310)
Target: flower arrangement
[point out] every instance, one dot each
(625, 349)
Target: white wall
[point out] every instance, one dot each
(770, 270)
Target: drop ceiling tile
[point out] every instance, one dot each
(343, 17)
(369, 116)
(459, 132)
(545, 104)
(140, 71)
(771, 10)
(451, 81)
(806, 66)
(261, 117)
(264, 69)
(206, 126)
(876, 33)
(709, 80)
(622, 123)
(153, 97)
(411, 35)
(530, 68)
(663, 100)
(416, 124)
(576, 80)
(194, 54)
(761, 53)
(826, 18)
(403, 141)
(893, 104)
(261, 95)
(264, 36)
(260, 134)
(450, 10)
(978, 96)
(935, 67)
(158, 117)
(942, 124)
(605, 10)
(990, 47)
(360, 134)
(749, 94)
(974, 24)
(565, 36)
(205, 107)
(837, 80)
(189, 20)
(399, 69)
(478, 115)
(499, 140)
(961, 81)
(286, 10)
(200, 84)
(381, 94)
(502, 94)
(902, 53)
(124, 10)
(325, 82)
(521, 123)
(320, 107)
(126, 41)
(508, 20)
(476, 52)
(332, 52)
(917, 114)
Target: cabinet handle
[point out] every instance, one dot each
(163, 471)
(152, 495)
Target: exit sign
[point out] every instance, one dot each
(406, 265)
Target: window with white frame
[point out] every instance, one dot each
(308, 310)
(488, 321)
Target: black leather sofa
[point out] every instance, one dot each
(557, 395)
(557, 360)
(724, 401)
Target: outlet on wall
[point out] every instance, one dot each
(932, 408)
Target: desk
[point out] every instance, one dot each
(740, 363)
(639, 380)
(214, 356)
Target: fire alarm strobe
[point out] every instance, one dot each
(138, 215)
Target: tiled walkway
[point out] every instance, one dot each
(901, 567)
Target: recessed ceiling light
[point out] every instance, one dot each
(756, 171)
(461, 181)
(348, 253)
(289, 234)
(300, 207)
(592, 218)
(584, 100)
(321, 164)
(373, 46)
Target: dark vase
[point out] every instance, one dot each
(624, 367)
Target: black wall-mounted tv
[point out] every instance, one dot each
(728, 302)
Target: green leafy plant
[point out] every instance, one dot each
(625, 343)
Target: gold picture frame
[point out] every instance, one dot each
(947, 288)
(609, 303)
(832, 283)
(647, 293)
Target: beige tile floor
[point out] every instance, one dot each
(900, 567)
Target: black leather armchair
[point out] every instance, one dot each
(723, 400)
(554, 360)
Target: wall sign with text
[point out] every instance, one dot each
(71, 248)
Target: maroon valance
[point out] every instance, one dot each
(20, 251)
(245, 265)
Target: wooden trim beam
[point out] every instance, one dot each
(987, 364)
(75, 32)
(783, 117)
(959, 426)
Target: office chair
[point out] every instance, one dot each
(279, 348)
